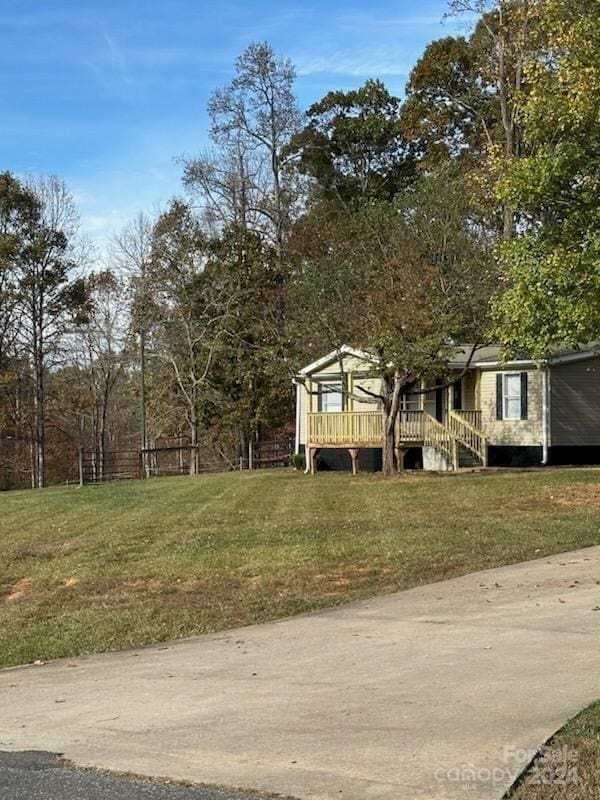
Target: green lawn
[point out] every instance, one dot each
(570, 767)
(107, 567)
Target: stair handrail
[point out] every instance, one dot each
(441, 438)
(469, 436)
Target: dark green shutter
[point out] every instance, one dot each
(523, 395)
(499, 412)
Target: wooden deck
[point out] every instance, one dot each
(354, 430)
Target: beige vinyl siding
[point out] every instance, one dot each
(575, 403)
(517, 432)
(351, 364)
(372, 384)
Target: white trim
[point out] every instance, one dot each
(545, 415)
(335, 355)
(514, 398)
(506, 366)
(297, 444)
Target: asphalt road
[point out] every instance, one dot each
(34, 775)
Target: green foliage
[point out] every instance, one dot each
(400, 279)
(553, 269)
(446, 102)
(299, 461)
(353, 146)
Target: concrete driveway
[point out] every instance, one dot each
(437, 692)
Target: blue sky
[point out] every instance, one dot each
(107, 93)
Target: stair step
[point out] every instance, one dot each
(466, 458)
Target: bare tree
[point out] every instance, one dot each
(99, 353)
(247, 180)
(130, 252)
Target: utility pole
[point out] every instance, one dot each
(143, 398)
(143, 373)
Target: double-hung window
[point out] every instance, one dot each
(331, 396)
(511, 395)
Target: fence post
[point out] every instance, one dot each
(80, 464)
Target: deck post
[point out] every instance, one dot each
(455, 455)
(354, 451)
(312, 456)
(400, 456)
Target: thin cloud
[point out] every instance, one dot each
(118, 60)
(352, 64)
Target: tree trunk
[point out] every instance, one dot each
(39, 428)
(391, 392)
(194, 445)
(389, 462)
(250, 452)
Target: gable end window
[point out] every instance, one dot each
(511, 395)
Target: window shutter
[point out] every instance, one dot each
(499, 413)
(319, 398)
(523, 395)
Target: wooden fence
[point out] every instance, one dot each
(172, 457)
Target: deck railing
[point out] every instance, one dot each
(345, 427)
(410, 426)
(361, 427)
(469, 434)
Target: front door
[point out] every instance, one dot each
(457, 392)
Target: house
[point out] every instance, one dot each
(515, 414)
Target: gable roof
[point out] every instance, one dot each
(335, 355)
(486, 356)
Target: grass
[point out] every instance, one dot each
(107, 567)
(570, 768)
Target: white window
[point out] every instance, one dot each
(331, 396)
(511, 392)
(410, 402)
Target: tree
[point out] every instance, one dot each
(553, 267)
(463, 96)
(249, 368)
(353, 146)
(414, 279)
(47, 295)
(247, 182)
(19, 213)
(190, 308)
(99, 352)
(130, 252)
